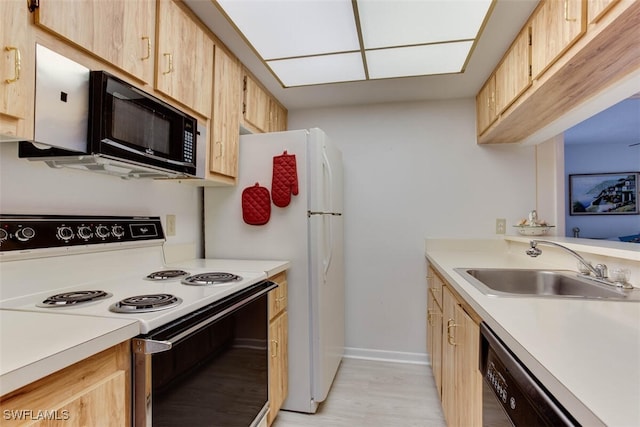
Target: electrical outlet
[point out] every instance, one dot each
(171, 225)
(501, 226)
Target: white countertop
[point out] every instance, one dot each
(270, 267)
(34, 345)
(585, 352)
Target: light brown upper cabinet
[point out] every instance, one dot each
(513, 75)
(261, 112)
(225, 127)
(597, 8)
(555, 27)
(122, 32)
(486, 105)
(572, 62)
(17, 71)
(185, 58)
(256, 106)
(278, 116)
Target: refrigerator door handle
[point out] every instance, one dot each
(327, 165)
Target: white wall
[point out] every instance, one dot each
(413, 170)
(601, 158)
(34, 188)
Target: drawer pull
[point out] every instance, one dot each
(17, 65)
(169, 56)
(148, 48)
(450, 325)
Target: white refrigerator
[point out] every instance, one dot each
(309, 233)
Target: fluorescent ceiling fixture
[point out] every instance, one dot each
(289, 28)
(417, 60)
(410, 22)
(343, 67)
(299, 39)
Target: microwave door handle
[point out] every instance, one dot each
(131, 150)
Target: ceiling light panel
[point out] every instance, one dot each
(388, 23)
(417, 60)
(292, 28)
(319, 69)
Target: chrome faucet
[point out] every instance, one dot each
(600, 271)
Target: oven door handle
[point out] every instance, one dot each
(147, 346)
(150, 346)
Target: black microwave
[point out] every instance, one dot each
(127, 123)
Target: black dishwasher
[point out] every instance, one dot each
(511, 395)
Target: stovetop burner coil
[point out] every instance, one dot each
(166, 274)
(74, 298)
(145, 303)
(213, 278)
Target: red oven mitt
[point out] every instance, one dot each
(256, 205)
(284, 181)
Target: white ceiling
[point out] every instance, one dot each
(506, 20)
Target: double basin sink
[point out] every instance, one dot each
(542, 283)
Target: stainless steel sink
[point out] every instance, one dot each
(542, 283)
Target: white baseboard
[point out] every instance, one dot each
(387, 356)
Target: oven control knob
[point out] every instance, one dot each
(85, 232)
(102, 232)
(25, 233)
(65, 233)
(117, 231)
(3, 235)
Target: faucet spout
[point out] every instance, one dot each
(600, 271)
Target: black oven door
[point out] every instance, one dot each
(207, 369)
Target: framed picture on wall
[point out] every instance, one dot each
(604, 193)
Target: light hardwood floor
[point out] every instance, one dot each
(375, 394)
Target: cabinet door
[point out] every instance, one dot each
(513, 75)
(461, 378)
(256, 105)
(555, 26)
(486, 105)
(227, 96)
(185, 59)
(17, 71)
(278, 364)
(596, 9)
(86, 393)
(278, 116)
(122, 32)
(434, 338)
(468, 380)
(448, 358)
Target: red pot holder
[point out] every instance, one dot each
(256, 205)
(284, 181)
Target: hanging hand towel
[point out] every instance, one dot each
(256, 205)
(284, 181)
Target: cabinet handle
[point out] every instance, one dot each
(451, 324)
(430, 317)
(274, 349)
(170, 57)
(148, 48)
(219, 155)
(17, 65)
(566, 12)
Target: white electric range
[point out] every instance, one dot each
(57, 264)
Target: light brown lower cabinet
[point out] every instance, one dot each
(278, 346)
(95, 391)
(455, 358)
